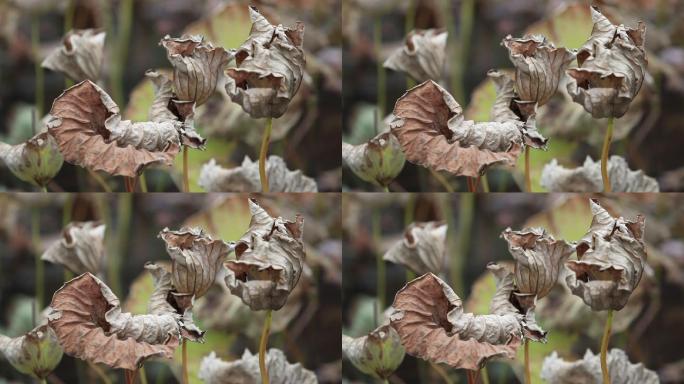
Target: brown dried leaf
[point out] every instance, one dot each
(612, 65)
(90, 325)
(35, 161)
(197, 66)
(588, 370)
(422, 56)
(539, 259)
(378, 354)
(88, 128)
(37, 353)
(213, 370)
(587, 178)
(610, 261)
(539, 66)
(270, 67)
(427, 123)
(429, 318)
(80, 249)
(377, 161)
(80, 55)
(245, 178)
(422, 249)
(269, 260)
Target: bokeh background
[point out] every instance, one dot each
(647, 328)
(29, 223)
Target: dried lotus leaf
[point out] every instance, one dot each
(426, 119)
(587, 178)
(245, 178)
(588, 370)
(377, 161)
(80, 249)
(422, 248)
(87, 126)
(35, 161)
(213, 370)
(37, 353)
(422, 56)
(80, 56)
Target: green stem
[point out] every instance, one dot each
(43, 381)
(100, 181)
(143, 375)
(99, 372)
(442, 373)
(605, 153)
(35, 47)
(122, 41)
(409, 25)
(68, 26)
(386, 188)
(43, 189)
(381, 80)
(528, 374)
(376, 231)
(186, 379)
(485, 183)
(263, 344)
(465, 219)
(40, 271)
(263, 154)
(604, 346)
(528, 182)
(186, 180)
(442, 180)
(485, 375)
(467, 14)
(143, 183)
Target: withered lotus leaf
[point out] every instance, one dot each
(196, 259)
(80, 55)
(35, 161)
(539, 259)
(269, 260)
(587, 178)
(245, 178)
(610, 260)
(213, 370)
(426, 123)
(89, 323)
(422, 56)
(37, 353)
(430, 320)
(378, 354)
(197, 66)
(422, 248)
(270, 67)
(611, 68)
(87, 125)
(539, 66)
(588, 370)
(80, 249)
(377, 161)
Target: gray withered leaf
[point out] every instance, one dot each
(377, 161)
(539, 259)
(197, 66)
(196, 259)
(378, 354)
(35, 161)
(422, 248)
(588, 370)
(431, 322)
(269, 260)
(81, 248)
(88, 127)
(610, 260)
(213, 370)
(90, 325)
(422, 56)
(428, 123)
(270, 67)
(539, 66)
(36, 353)
(245, 178)
(79, 56)
(587, 178)
(611, 68)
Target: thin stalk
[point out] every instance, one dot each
(604, 346)
(528, 181)
(143, 375)
(99, 372)
(263, 154)
(386, 188)
(465, 220)
(122, 41)
(40, 271)
(186, 380)
(68, 25)
(43, 381)
(43, 189)
(442, 180)
(263, 344)
(385, 381)
(128, 184)
(485, 183)
(409, 213)
(124, 214)
(467, 14)
(472, 377)
(485, 375)
(130, 376)
(100, 181)
(409, 25)
(186, 176)
(607, 139)
(442, 373)
(38, 69)
(471, 184)
(528, 374)
(379, 263)
(381, 80)
(143, 183)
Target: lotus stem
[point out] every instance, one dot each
(381, 80)
(379, 263)
(409, 25)
(528, 374)
(607, 139)
(472, 376)
(35, 48)
(528, 181)
(99, 372)
(186, 380)
(43, 381)
(68, 25)
(471, 184)
(604, 346)
(130, 376)
(143, 183)
(485, 375)
(100, 181)
(442, 373)
(442, 180)
(467, 14)
(40, 271)
(186, 181)
(44, 189)
(465, 221)
(263, 154)
(263, 344)
(122, 41)
(485, 183)
(143, 375)
(386, 188)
